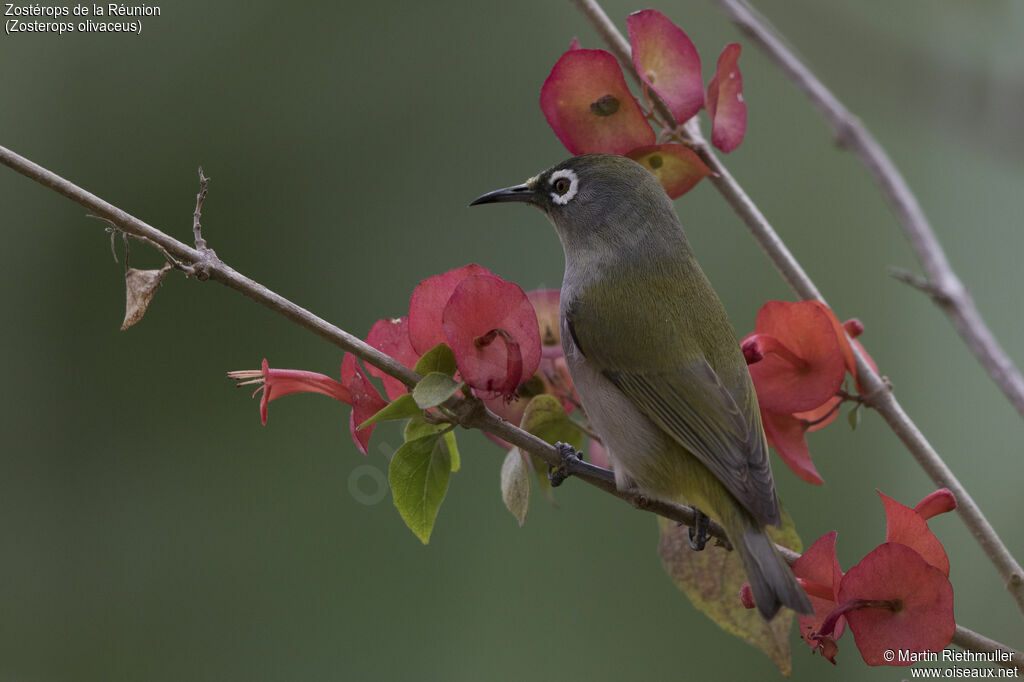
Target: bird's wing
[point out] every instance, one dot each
(695, 408)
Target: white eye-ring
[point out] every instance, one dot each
(564, 185)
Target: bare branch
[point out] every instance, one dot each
(945, 288)
(877, 394)
(197, 229)
(969, 640)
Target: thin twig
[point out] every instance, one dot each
(197, 229)
(876, 391)
(469, 413)
(945, 287)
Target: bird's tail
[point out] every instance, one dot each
(771, 580)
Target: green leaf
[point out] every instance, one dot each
(440, 358)
(419, 427)
(712, 579)
(434, 389)
(419, 481)
(515, 485)
(853, 416)
(546, 418)
(401, 407)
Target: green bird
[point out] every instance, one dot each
(655, 361)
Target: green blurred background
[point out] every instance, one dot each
(151, 529)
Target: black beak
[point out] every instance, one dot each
(515, 193)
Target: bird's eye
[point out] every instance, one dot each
(564, 185)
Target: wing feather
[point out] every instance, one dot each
(693, 406)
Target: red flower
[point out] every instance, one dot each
(785, 433)
(277, 383)
(492, 329)
(938, 502)
(427, 303)
(795, 356)
(725, 101)
(488, 323)
(819, 573)
(667, 62)
(677, 168)
(910, 527)
(391, 336)
(354, 389)
(366, 401)
(894, 600)
(798, 356)
(588, 105)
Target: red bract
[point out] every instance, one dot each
(677, 168)
(894, 600)
(819, 573)
(426, 306)
(391, 337)
(277, 383)
(908, 527)
(667, 62)
(938, 502)
(725, 102)
(545, 304)
(785, 433)
(586, 102)
(794, 356)
(798, 356)
(492, 330)
(366, 401)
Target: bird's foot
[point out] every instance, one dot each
(570, 456)
(699, 534)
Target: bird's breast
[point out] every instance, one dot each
(636, 446)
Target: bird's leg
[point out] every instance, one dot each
(570, 455)
(699, 534)
(572, 465)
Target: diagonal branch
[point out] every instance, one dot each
(882, 399)
(942, 283)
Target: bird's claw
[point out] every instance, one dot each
(569, 454)
(699, 534)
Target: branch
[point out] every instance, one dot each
(880, 394)
(946, 289)
(470, 413)
(197, 229)
(969, 640)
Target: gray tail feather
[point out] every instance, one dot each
(771, 579)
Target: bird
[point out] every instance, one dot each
(655, 361)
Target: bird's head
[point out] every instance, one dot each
(596, 200)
